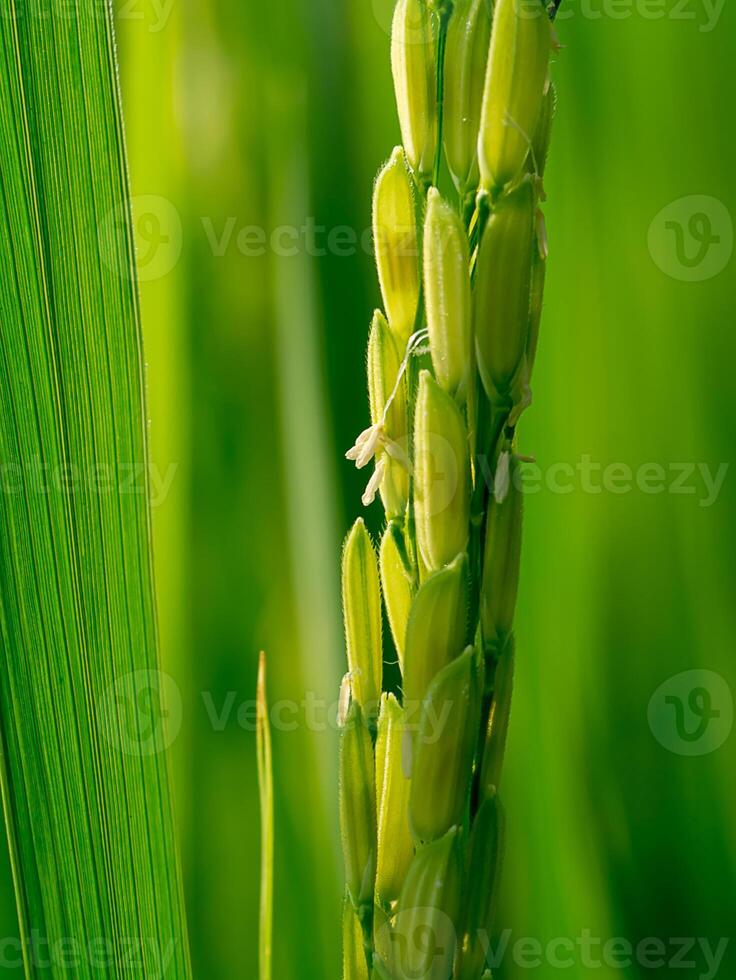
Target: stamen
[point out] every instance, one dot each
(374, 483)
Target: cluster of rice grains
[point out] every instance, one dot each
(449, 364)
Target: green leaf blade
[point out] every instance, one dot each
(86, 782)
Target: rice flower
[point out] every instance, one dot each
(424, 933)
(518, 61)
(444, 748)
(441, 475)
(357, 799)
(396, 587)
(466, 56)
(484, 867)
(415, 83)
(395, 845)
(447, 295)
(388, 414)
(395, 242)
(502, 293)
(361, 597)
(501, 563)
(498, 721)
(436, 629)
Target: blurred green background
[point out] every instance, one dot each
(249, 119)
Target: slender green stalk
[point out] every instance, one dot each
(265, 785)
(460, 533)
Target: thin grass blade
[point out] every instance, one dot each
(265, 784)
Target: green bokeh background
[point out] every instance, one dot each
(264, 115)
